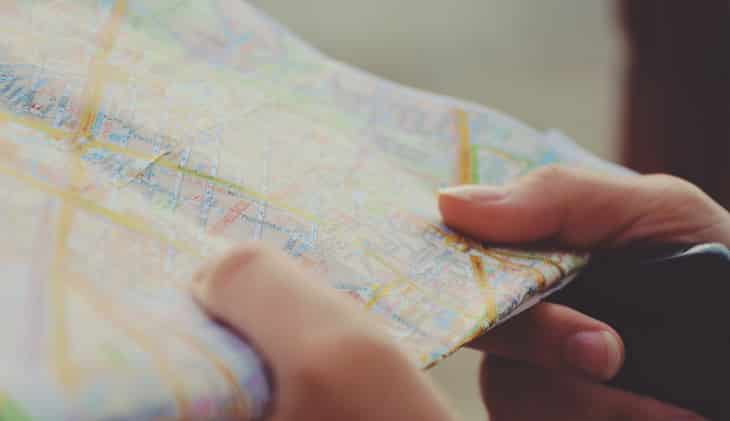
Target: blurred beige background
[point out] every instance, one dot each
(551, 63)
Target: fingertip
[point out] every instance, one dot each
(619, 351)
(472, 209)
(454, 202)
(212, 284)
(479, 193)
(599, 353)
(450, 206)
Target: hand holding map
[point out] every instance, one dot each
(139, 138)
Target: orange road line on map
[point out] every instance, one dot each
(230, 217)
(477, 265)
(465, 151)
(480, 275)
(509, 253)
(97, 69)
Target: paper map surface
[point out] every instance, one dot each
(138, 138)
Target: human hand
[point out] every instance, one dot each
(549, 362)
(328, 359)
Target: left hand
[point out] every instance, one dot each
(328, 359)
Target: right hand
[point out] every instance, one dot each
(523, 379)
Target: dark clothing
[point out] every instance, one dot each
(677, 103)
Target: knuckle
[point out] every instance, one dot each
(550, 175)
(677, 188)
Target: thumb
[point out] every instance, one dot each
(581, 209)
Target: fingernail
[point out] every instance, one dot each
(595, 353)
(474, 192)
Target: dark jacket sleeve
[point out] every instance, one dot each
(676, 111)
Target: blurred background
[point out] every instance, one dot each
(553, 64)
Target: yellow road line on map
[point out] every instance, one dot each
(161, 161)
(97, 69)
(104, 307)
(91, 143)
(380, 292)
(93, 95)
(477, 265)
(452, 239)
(110, 31)
(68, 373)
(401, 278)
(539, 276)
(491, 314)
(507, 156)
(35, 124)
(464, 244)
(465, 150)
(124, 220)
(164, 162)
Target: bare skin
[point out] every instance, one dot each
(330, 362)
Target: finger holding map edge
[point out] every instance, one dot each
(662, 210)
(328, 359)
(114, 121)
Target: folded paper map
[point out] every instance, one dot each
(138, 138)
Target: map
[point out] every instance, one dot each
(139, 138)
